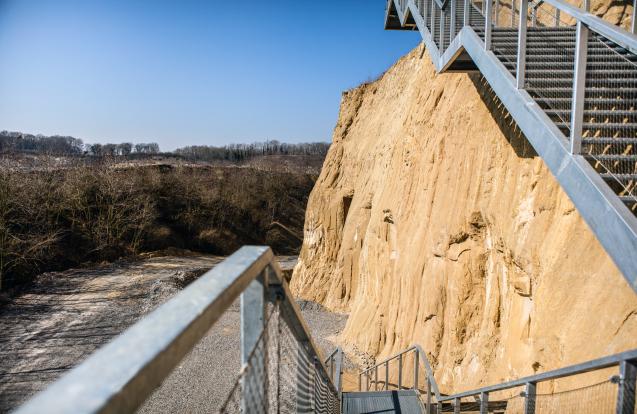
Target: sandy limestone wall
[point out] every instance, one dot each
(434, 222)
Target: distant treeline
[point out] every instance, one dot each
(21, 143)
(242, 152)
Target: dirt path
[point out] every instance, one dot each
(68, 315)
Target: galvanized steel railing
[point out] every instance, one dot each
(579, 115)
(281, 366)
(416, 357)
(614, 393)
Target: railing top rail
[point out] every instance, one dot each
(582, 368)
(121, 375)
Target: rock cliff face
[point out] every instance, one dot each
(434, 222)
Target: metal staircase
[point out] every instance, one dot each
(569, 80)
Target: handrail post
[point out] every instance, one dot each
(386, 375)
(456, 406)
(467, 12)
(376, 378)
(634, 23)
(557, 17)
(367, 381)
(579, 88)
(496, 12)
(253, 303)
(587, 5)
(484, 403)
(441, 46)
(529, 398)
(521, 58)
(428, 396)
(512, 13)
(416, 370)
(433, 19)
(339, 373)
(400, 372)
(488, 25)
(360, 381)
(452, 24)
(533, 16)
(626, 391)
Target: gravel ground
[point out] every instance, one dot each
(68, 315)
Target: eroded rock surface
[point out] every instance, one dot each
(434, 222)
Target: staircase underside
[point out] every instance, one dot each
(614, 225)
(405, 402)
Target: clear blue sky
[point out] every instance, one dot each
(187, 72)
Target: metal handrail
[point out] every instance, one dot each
(420, 356)
(120, 376)
(594, 365)
(334, 364)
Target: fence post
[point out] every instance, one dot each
(416, 370)
(626, 391)
(529, 398)
(253, 302)
(400, 372)
(579, 88)
(488, 25)
(484, 403)
(522, 32)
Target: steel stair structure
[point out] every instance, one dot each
(568, 79)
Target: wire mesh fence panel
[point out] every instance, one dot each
(599, 398)
(609, 137)
(282, 375)
(550, 59)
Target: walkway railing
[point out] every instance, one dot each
(605, 385)
(281, 366)
(568, 79)
(378, 378)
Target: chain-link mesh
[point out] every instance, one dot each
(600, 398)
(282, 374)
(609, 137)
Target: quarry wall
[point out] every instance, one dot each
(434, 222)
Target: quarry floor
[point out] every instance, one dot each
(65, 316)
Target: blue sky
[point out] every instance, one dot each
(187, 72)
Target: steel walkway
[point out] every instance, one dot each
(405, 402)
(568, 79)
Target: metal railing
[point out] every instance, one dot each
(416, 357)
(529, 400)
(581, 73)
(613, 394)
(281, 366)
